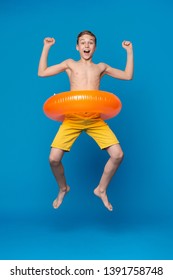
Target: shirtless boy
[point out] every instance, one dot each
(85, 75)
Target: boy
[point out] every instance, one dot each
(85, 75)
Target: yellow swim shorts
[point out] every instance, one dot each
(92, 124)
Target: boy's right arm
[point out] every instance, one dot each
(43, 69)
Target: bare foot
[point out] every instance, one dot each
(57, 202)
(104, 198)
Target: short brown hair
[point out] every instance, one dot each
(88, 33)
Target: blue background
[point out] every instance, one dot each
(141, 225)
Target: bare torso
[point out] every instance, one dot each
(84, 75)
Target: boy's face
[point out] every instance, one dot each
(86, 46)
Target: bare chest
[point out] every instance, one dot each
(88, 72)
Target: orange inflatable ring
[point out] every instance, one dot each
(90, 101)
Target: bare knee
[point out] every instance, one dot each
(54, 161)
(117, 156)
(55, 157)
(120, 156)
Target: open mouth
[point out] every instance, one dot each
(86, 51)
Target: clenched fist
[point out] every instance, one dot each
(127, 45)
(49, 41)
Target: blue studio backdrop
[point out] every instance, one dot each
(140, 227)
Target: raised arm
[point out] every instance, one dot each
(127, 74)
(43, 69)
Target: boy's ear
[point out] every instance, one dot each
(77, 48)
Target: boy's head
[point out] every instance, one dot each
(86, 32)
(86, 44)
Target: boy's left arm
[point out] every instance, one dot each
(127, 74)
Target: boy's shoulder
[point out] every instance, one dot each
(102, 65)
(70, 60)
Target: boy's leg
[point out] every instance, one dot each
(116, 156)
(63, 141)
(58, 171)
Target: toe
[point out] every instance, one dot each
(109, 206)
(56, 204)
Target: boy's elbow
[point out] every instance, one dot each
(41, 74)
(129, 77)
